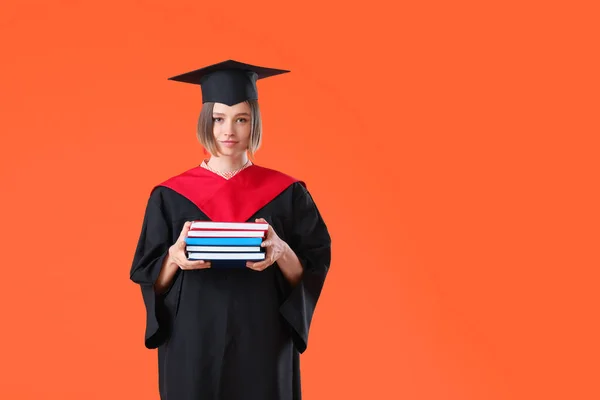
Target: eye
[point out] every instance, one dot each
(217, 119)
(243, 120)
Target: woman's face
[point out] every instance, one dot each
(232, 127)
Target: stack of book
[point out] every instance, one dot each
(226, 244)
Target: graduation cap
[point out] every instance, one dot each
(229, 82)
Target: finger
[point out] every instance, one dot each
(181, 246)
(184, 230)
(261, 221)
(270, 229)
(266, 243)
(259, 266)
(255, 267)
(183, 260)
(200, 264)
(193, 263)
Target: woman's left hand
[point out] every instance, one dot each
(275, 248)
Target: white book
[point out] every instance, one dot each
(229, 225)
(226, 256)
(211, 233)
(223, 249)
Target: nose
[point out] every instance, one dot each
(228, 129)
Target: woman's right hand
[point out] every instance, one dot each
(177, 252)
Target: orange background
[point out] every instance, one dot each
(451, 146)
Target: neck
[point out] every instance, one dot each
(228, 163)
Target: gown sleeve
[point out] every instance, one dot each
(311, 242)
(151, 251)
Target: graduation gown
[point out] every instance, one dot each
(231, 333)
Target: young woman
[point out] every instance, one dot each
(230, 333)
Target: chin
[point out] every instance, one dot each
(226, 152)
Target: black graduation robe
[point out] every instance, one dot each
(231, 333)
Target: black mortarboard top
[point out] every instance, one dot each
(228, 82)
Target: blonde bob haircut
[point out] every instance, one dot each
(205, 128)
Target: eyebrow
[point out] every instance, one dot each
(238, 114)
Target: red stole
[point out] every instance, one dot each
(230, 200)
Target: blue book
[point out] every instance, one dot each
(223, 241)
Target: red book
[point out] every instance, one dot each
(236, 226)
(225, 233)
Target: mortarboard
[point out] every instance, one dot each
(228, 82)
